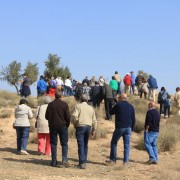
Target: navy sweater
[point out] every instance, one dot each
(124, 115)
(152, 120)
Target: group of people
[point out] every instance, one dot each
(53, 120)
(53, 117)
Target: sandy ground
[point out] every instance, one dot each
(14, 166)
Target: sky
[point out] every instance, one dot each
(94, 37)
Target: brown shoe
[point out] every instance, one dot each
(65, 164)
(110, 163)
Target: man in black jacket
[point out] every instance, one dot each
(124, 125)
(58, 117)
(151, 133)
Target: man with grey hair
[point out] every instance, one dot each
(124, 125)
(84, 120)
(58, 117)
(151, 132)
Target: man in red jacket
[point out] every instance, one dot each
(127, 83)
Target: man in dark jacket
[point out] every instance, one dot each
(151, 133)
(109, 96)
(124, 125)
(58, 117)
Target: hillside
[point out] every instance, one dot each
(14, 166)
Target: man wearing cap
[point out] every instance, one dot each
(84, 120)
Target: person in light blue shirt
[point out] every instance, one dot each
(167, 105)
(133, 77)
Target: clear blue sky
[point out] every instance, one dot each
(94, 37)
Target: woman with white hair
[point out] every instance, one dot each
(44, 146)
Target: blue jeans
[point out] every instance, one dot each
(126, 134)
(63, 136)
(22, 137)
(150, 141)
(82, 135)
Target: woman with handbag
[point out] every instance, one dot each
(22, 114)
(44, 146)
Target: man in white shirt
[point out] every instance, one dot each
(68, 87)
(59, 83)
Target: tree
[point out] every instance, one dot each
(11, 74)
(145, 75)
(32, 72)
(53, 68)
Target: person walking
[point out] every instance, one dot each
(127, 83)
(25, 89)
(151, 133)
(133, 77)
(167, 106)
(44, 146)
(84, 120)
(22, 114)
(124, 125)
(162, 95)
(58, 117)
(109, 97)
(152, 85)
(41, 86)
(177, 99)
(119, 80)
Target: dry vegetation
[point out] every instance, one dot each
(168, 142)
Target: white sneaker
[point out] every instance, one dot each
(23, 152)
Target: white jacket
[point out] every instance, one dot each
(22, 114)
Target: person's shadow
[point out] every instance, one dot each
(14, 150)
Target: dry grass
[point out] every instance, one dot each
(168, 137)
(8, 99)
(5, 113)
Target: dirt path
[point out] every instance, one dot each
(13, 166)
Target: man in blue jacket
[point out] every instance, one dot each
(152, 85)
(124, 125)
(41, 86)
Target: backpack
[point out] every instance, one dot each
(161, 98)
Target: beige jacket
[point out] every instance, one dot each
(82, 115)
(42, 123)
(118, 78)
(177, 99)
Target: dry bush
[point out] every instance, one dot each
(8, 99)
(71, 132)
(32, 102)
(5, 114)
(140, 142)
(71, 102)
(140, 120)
(168, 137)
(100, 132)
